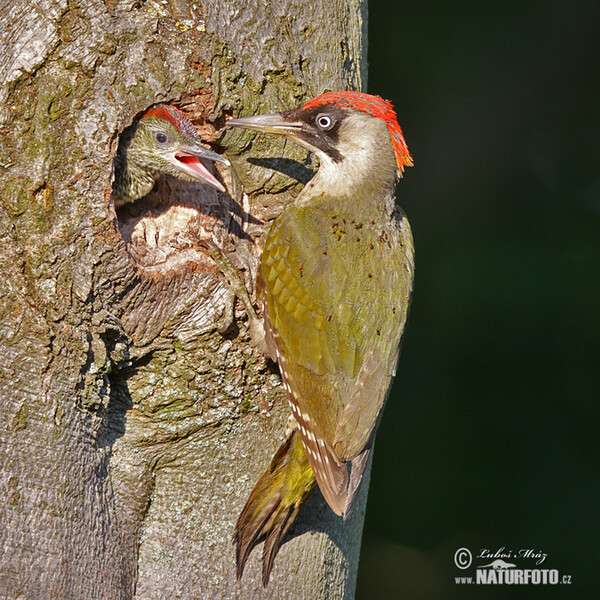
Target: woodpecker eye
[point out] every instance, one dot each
(325, 122)
(161, 137)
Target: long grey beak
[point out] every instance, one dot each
(274, 123)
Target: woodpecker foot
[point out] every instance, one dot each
(232, 276)
(236, 285)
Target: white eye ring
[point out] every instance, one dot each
(325, 122)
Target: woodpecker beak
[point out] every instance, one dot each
(279, 124)
(270, 124)
(188, 158)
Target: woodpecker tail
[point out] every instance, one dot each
(274, 504)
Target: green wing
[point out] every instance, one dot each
(336, 291)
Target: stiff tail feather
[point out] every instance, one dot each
(274, 504)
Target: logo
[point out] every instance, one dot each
(507, 567)
(463, 558)
(497, 564)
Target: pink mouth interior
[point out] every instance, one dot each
(187, 158)
(196, 167)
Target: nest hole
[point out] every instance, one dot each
(167, 230)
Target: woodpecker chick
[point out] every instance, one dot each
(334, 283)
(161, 141)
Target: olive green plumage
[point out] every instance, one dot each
(336, 307)
(336, 286)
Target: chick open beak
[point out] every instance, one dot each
(189, 159)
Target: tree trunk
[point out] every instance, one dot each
(136, 416)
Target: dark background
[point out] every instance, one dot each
(490, 435)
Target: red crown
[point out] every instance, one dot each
(375, 106)
(169, 113)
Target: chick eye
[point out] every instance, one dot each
(161, 137)
(325, 122)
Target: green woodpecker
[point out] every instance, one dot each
(161, 141)
(334, 283)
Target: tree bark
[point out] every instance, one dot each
(136, 415)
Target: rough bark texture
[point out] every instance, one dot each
(131, 429)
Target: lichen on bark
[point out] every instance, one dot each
(132, 428)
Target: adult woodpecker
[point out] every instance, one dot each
(161, 141)
(334, 283)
